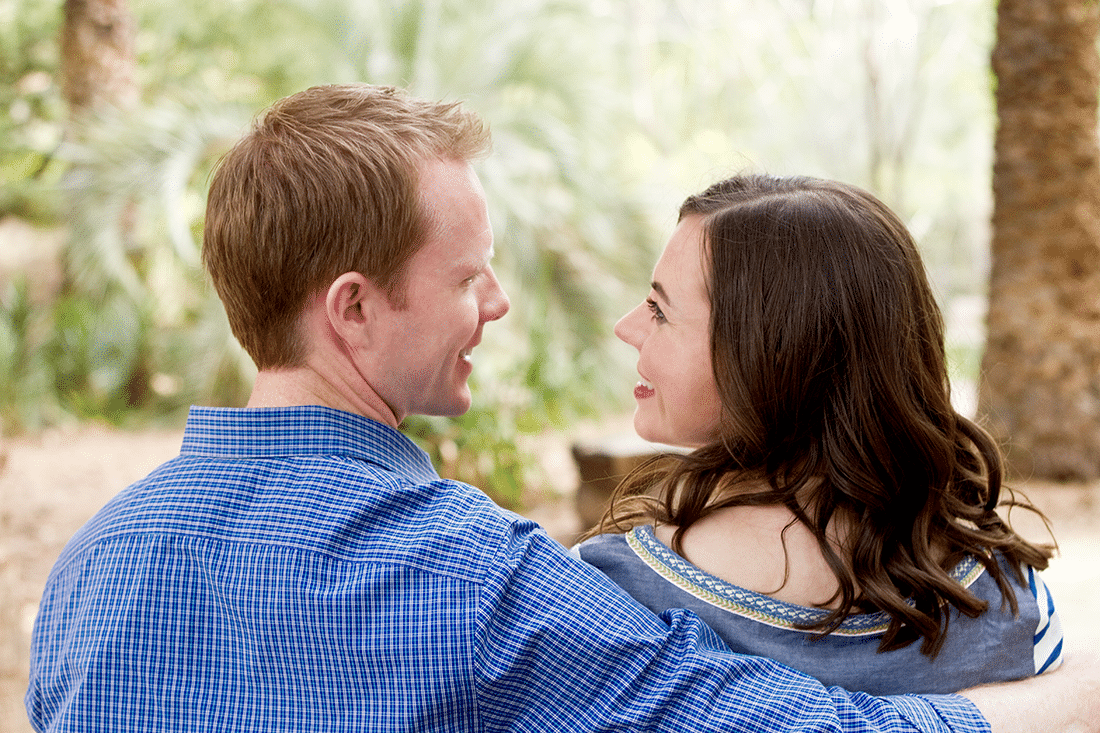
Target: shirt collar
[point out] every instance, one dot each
(268, 432)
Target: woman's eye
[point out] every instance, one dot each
(655, 309)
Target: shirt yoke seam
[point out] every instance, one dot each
(138, 535)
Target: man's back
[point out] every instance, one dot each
(237, 580)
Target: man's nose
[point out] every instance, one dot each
(496, 302)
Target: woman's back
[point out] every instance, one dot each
(995, 646)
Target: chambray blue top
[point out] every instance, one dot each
(305, 569)
(996, 646)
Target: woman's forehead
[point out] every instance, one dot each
(679, 277)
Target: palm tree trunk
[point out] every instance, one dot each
(98, 64)
(99, 75)
(1040, 386)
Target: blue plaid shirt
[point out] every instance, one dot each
(305, 569)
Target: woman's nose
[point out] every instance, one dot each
(630, 327)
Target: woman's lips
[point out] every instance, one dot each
(643, 390)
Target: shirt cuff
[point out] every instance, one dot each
(947, 713)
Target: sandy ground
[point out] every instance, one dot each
(51, 484)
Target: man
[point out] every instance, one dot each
(300, 566)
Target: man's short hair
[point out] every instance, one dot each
(325, 182)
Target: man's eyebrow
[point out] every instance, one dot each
(659, 289)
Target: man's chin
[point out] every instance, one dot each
(456, 407)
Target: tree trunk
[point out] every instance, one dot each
(99, 79)
(1040, 387)
(98, 64)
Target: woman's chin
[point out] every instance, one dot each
(642, 429)
(651, 435)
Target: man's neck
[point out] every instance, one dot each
(306, 386)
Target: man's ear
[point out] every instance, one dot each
(351, 305)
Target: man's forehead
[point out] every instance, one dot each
(444, 181)
(443, 255)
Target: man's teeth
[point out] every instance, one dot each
(466, 355)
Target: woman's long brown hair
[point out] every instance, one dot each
(828, 353)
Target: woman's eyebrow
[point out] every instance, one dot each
(659, 289)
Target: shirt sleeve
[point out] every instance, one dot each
(1048, 632)
(560, 647)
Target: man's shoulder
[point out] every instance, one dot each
(339, 508)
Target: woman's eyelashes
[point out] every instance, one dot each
(655, 309)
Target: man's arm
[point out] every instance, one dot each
(1066, 701)
(560, 647)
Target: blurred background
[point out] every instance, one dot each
(605, 115)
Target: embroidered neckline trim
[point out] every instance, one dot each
(757, 606)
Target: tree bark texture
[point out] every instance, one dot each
(98, 62)
(1040, 387)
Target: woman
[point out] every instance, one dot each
(835, 505)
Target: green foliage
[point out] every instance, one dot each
(238, 52)
(27, 400)
(136, 187)
(96, 356)
(30, 129)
